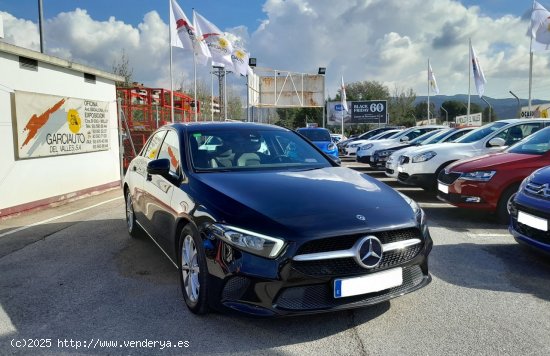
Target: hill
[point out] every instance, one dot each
(504, 108)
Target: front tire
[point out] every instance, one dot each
(131, 223)
(193, 271)
(503, 214)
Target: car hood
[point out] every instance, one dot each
(303, 204)
(445, 148)
(323, 145)
(493, 161)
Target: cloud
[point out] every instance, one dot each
(385, 40)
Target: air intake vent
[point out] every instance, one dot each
(89, 78)
(28, 63)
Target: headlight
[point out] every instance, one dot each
(480, 176)
(331, 147)
(385, 153)
(351, 145)
(418, 211)
(423, 157)
(249, 241)
(366, 147)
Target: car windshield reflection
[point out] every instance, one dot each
(245, 149)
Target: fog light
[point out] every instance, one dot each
(472, 199)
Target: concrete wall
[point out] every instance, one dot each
(29, 182)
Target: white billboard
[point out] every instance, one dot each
(473, 120)
(537, 111)
(277, 88)
(49, 125)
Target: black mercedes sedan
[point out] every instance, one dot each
(258, 220)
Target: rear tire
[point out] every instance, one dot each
(193, 272)
(503, 216)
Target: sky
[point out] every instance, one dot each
(389, 41)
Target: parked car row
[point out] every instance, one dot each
(502, 168)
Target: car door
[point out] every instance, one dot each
(142, 200)
(159, 190)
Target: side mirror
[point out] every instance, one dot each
(496, 142)
(404, 139)
(159, 166)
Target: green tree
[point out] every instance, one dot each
(365, 90)
(401, 106)
(122, 67)
(421, 112)
(456, 108)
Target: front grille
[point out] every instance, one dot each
(389, 171)
(532, 233)
(538, 190)
(403, 176)
(348, 266)
(347, 241)
(320, 296)
(448, 178)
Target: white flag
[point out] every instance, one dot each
(343, 96)
(240, 59)
(431, 79)
(539, 30)
(184, 34)
(479, 77)
(220, 47)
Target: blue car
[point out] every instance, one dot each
(321, 138)
(530, 211)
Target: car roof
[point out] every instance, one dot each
(225, 125)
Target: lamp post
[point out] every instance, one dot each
(490, 109)
(519, 108)
(322, 71)
(446, 114)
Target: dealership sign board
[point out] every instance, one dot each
(360, 112)
(49, 125)
(473, 120)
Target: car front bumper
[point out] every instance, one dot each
(527, 235)
(244, 283)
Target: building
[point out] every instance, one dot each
(58, 130)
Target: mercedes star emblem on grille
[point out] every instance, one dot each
(369, 252)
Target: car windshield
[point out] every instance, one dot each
(481, 132)
(252, 149)
(421, 139)
(438, 136)
(315, 134)
(383, 135)
(536, 144)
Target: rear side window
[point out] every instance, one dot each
(171, 149)
(153, 146)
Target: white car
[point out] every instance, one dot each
(366, 150)
(351, 148)
(422, 166)
(447, 135)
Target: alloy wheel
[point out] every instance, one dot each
(190, 268)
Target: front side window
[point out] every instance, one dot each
(481, 132)
(254, 149)
(153, 146)
(516, 133)
(537, 144)
(170, 149)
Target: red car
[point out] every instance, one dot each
(489, 182)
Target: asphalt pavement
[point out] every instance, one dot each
(75, 283)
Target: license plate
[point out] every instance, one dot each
(368, 284)
(400, 169)
(533, 221)
(443, 188)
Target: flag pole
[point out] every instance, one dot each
(212, 96)
(428, 91)
(171, 77)
(195, 84)
(531, 63)
(469, 78)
